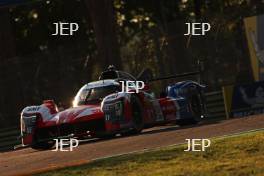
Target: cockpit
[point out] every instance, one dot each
(94, 93)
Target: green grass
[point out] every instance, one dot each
(241, 155)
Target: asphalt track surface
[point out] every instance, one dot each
(28, 161)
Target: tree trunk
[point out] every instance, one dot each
(104, 24)
(8, 73)
(7, 41)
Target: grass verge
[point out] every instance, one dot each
(241, 155)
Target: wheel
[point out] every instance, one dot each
(195, 108)
(137, 117)
(41, 145)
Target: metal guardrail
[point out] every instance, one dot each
(214, 106)
(9, 138)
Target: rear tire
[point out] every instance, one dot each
(137, 115)
(195, 108)
(107, 136)
(194, 105)
(185, 122)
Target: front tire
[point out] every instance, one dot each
(41, 145)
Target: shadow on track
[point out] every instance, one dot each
(147, 131)
(154, 130)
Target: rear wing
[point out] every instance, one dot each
(147, 76)
(175, 76)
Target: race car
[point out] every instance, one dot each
(101, 110)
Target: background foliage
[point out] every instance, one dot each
(34, 65)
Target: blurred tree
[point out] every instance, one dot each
(131, 34)
(7, 41)
(104, 24)
(198, 8)
(7, 51)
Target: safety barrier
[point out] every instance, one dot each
(215, 106)
(9, 138)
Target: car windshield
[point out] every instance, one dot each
(95, 95)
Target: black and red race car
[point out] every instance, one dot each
(101, 109)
